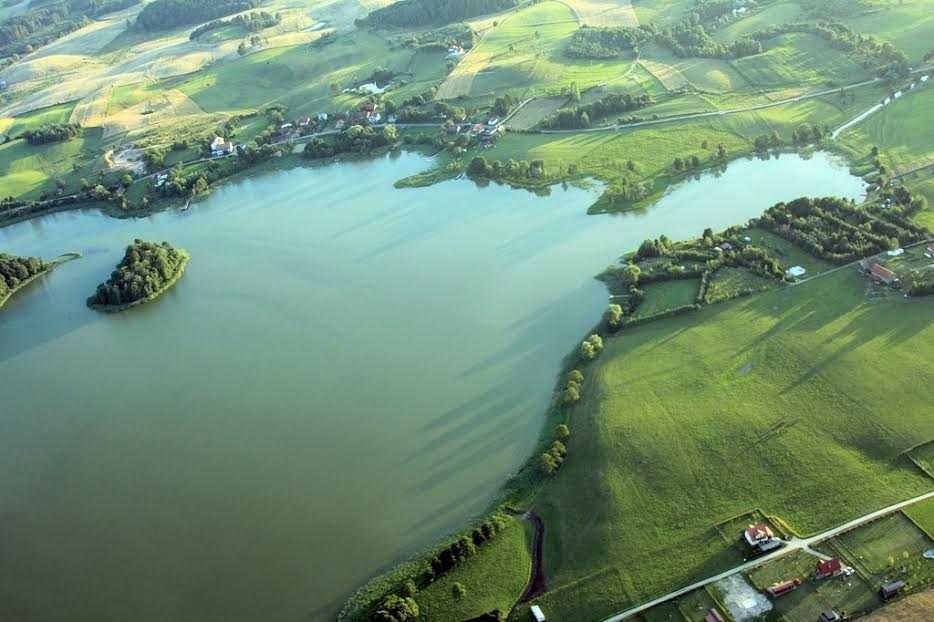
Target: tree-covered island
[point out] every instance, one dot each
(146, 272)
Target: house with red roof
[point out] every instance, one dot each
(828, 568)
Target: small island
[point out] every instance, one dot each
(147, 271)
(18, 272)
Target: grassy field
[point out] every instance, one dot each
(780, 401)
(507, 556)
(14, 126)
(727, 283)
(661, 11)
(667, 295)
(27, 170)
(888, 549)
(902, 131)
(299, 76)
(923, 516)
(912, 608)
(769, 15)
(906, 24)
(788, 253)
(845, 594)
(798, 59)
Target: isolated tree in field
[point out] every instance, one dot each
(571, 394)
(575, 376)
(631, 165)
(874, 152)
(613, 315)
(242, 49)
(591, 347)
(703, 144)
(562, 432)
(678, 164)
(458, 591)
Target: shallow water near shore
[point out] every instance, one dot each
(345, 373)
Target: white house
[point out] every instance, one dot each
(221, 146)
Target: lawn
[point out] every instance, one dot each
(494, 578)
(887, 549)
(780, 401)
(799, 59)
(666, 295)
(923, 516)
(845, 594)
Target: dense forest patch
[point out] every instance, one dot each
(427, 12)
(146, 271)
(16, 271)
(164, 14)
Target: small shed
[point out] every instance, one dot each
(891, 590)
(796, 272)
(830, 615)
(537, 613)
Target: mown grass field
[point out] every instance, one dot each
(923, 516)
(781, 401)
(494, 578)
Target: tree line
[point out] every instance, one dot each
(582, 116)
(505, 170)
(876, 55)
(51, 133)
(144, 271)
(355, 139)
(165, 14)
(687, 38)
(14, 271)
(835, 229)
(48, 21)
(251, 22)
(407, 13)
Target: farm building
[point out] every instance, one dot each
(828, 568)
(883, 275)
(782, 587)
(221, 146)
(891, 590)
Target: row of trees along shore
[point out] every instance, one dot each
(14, 271)
(146, 270)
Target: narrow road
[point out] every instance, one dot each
(795, 544)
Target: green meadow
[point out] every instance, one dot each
(906, 24)
(494, 578)
(27, 170)
(779, 402)
(14, 126)
(799, 59)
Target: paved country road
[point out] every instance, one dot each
(795, 544)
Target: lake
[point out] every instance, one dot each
(345, 373)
